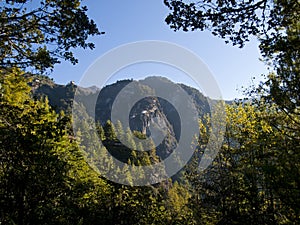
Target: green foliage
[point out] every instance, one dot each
(109, 131)
(119, 130)
(235, 21)
(44, 179)
(38, 34)
(274, 23)
(282, 85)
(254, 178)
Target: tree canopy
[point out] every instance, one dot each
(38, 34)
(234, 20)
(275, 24)
(255, 177)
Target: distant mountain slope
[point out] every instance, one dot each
(147, 112)
(61, 96)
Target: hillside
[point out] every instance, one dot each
(147, 114)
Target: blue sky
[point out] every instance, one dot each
(137, 20)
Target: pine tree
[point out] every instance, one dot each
(109, 131)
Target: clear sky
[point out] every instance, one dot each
(137, 20)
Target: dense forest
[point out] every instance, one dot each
(45, 178)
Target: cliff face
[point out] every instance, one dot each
(145, 113)
(146, 116)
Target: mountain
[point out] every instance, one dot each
(150, 115)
